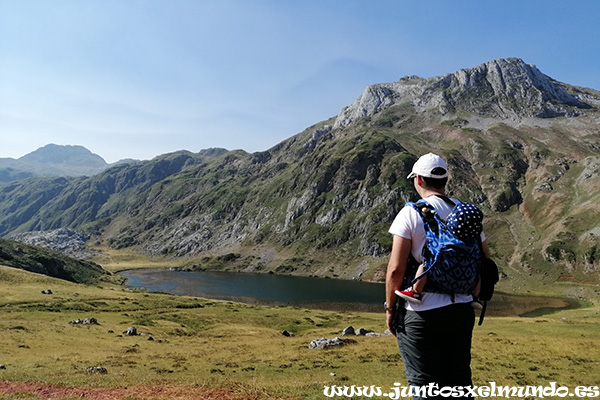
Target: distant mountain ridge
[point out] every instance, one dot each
(61, 161)
(53, 160)
(522, 146)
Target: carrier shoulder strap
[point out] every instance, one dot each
(427, 213)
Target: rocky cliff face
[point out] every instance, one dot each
(500, 89)
(520, 145)
(66, 241)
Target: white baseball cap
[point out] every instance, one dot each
(426, 165)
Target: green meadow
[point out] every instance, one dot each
(190, 342)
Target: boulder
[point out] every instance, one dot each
(348, 331)
(324, 343)
(131, 331)
(87, 321)
(96, 370)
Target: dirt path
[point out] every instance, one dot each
(48, 391)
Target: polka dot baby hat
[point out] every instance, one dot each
(465, 221)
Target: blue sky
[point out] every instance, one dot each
(136, 79)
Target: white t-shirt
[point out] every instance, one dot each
(409, 225)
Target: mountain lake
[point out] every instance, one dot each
(266, 289)
(311, 292)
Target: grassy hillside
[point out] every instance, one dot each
(48, 262)
(201, 343)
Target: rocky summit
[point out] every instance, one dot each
(521, 145)
(505, 89)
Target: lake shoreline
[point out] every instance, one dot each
(502, 305)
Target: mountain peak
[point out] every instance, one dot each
(504, 88)
(52, 160)
(512, 78)
(66, 155)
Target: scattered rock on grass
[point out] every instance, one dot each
(87, 321)
(131, 331)
(361, 332)
(324, 343)
(288, 334)
(2, 366)
(97, 370)
(348, 331)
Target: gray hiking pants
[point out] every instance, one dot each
(436, 346)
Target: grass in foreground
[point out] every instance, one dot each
(237, 346)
